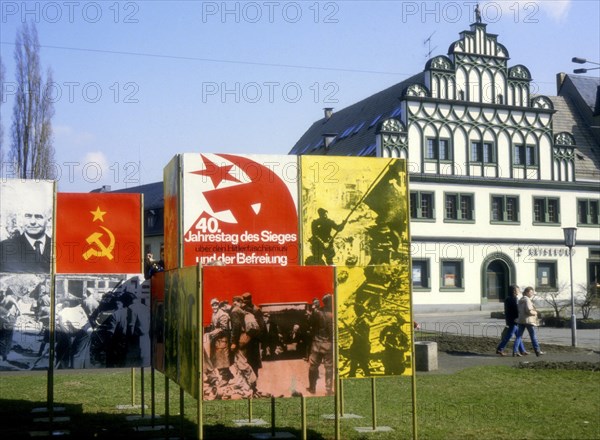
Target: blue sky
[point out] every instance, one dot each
(137, 82)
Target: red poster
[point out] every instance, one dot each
(268, 285)
(98, 233)
(268, 331)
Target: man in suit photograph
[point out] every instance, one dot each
(29, 251)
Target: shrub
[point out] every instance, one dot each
(553, 321)
(588, 324)
(588, 300)
(582, 324)
(550, 297)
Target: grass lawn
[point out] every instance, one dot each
(478, 403)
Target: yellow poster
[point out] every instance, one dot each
(354, 210)
(355, 217)
(374, 323)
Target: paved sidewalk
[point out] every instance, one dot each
(452, 363)
(478, 324)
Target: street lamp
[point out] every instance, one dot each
(583, 61)
(570, 237)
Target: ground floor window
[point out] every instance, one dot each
(594, 268)
(452, 274)
(594, 273)
(420, 274)
(546, 275)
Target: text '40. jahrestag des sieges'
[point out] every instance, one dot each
(221, 243)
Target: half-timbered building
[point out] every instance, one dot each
(495, 172)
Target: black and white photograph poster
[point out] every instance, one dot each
(24, 321)
(26, 232)
(102, 321)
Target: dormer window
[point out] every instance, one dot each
(150, 218)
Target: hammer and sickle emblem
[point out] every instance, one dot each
(102, 250)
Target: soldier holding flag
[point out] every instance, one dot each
(322, 240)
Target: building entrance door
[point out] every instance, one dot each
(497, 285)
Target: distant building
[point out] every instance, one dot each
(153, 216)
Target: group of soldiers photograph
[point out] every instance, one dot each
(244, 347)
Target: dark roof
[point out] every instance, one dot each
(587, 153)
(577, 99)
(587, 87)
(153, 194)
(355, 125)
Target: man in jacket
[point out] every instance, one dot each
(30, 251)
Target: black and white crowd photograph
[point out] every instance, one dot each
(100, 321)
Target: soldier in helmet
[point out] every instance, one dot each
(321, 352)
(322, 240)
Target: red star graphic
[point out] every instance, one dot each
(216, 173)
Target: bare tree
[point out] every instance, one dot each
(31, 149)
(589, 299)
(2, 74)
(551, 297)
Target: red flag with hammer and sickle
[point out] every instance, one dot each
(98, 233)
